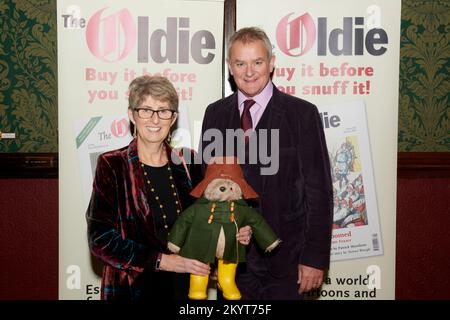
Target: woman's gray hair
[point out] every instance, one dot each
(250, 34)
(159, 88)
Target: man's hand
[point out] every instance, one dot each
(309, 278)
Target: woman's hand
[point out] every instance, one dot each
(244, 235)
(176, 263)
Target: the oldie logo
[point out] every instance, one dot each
(111, 37)
(296, 37)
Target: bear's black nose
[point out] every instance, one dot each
(223, 189)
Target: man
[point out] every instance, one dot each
(296, 200)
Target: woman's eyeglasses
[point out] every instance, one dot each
(147, 113)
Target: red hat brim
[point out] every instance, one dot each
(225, 170)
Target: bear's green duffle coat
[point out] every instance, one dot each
(198, 239)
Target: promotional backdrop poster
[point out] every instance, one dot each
(339, 55)
(102, 46)
(343, 56)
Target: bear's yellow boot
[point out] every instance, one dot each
(226, 279)
(197, 287)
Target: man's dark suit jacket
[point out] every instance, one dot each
(296, 201)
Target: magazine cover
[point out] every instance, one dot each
(356, 228)
(95, 136)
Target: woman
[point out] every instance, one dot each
(138, 192)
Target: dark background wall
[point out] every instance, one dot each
(29, 239)
(29, 206)
(423, 245)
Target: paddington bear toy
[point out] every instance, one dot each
(207, 229)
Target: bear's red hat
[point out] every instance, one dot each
(224, 168)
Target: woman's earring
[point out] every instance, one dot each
(169, 137)
(135, 131)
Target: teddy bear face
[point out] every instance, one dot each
(223, 190)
